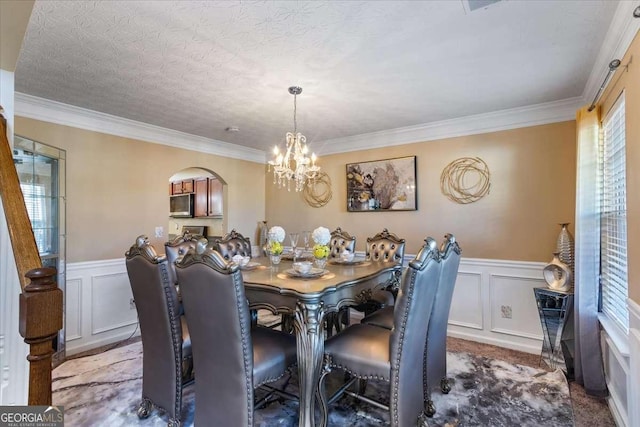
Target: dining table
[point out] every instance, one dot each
(309, 297)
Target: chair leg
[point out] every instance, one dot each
(321, 396)
(144, 409)
(445, 387)
(422, 420)
(254, 318)
(361, 386)
(344, 317)
(287, 323)
(429, 408)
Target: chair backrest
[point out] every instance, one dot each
(411, 315)
(385, 246)
(219, 324)
(341, 240)
(160, 328)
(436, 350)
(232, 244)
(176, 248)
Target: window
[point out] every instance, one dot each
(613, 216)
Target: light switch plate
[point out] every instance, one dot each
(159, 231)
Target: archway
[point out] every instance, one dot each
(208, 193)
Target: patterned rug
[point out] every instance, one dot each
(104, 390)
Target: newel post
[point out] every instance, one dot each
(40, 321)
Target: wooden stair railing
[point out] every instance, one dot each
(41, 299)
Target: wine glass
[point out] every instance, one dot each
(294, 242)
(305, 237)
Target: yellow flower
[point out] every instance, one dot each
(275, 248)
(321, 251)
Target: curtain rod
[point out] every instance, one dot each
(613, 65)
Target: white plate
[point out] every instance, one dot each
(315, 272)
(250, 265)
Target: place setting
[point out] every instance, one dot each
(305, 270)
(348, 258)
(245, 262)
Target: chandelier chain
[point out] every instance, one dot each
(295, 114)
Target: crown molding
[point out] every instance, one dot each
(55, 112)
(33, 107)
(532, 115)
(621, 32)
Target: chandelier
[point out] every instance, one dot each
(294, 165)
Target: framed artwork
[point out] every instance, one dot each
(382, 185)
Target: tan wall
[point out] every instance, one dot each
(532, 190)
(628, 80)
(117, 188)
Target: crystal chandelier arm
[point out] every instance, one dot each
(296, 151)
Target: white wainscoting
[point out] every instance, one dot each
(98, 309)
(634, 362)
(493, 303)
(621, 354)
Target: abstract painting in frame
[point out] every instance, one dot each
(382, 185)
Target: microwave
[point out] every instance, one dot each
(181, 206)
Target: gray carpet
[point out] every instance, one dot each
(104, 390)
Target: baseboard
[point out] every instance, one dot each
(617, 415)
(71, 349)
(470, 336)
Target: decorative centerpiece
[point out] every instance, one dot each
(321, 236)
(276, 237)
(557, 274)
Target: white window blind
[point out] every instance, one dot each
(613, 217)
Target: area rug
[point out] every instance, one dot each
(104, 390)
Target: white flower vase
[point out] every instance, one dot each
(557, 274)
(321, 263)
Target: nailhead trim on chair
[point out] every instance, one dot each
(355, 374)
(394, 399)
(237, 284)
(177, 345)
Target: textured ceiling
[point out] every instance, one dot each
(200, 67)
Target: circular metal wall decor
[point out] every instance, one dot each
(465, 180)
(319, 192)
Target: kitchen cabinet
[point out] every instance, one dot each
(215, 197)
(200, 201)
(182, 187)
(208, 197)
